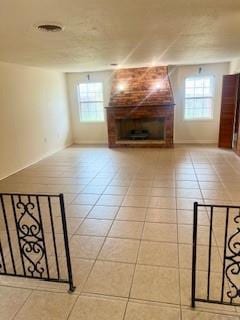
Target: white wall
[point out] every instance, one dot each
(85, 133)
(34, 116)
(234, 66)
(196, 131)
(185, 131)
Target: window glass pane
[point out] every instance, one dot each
(83, 87)
(198, 97)
(207, 82)
(84, 97)
(207, 92)
(189, 83)
(189, 92)
(199, 82)
(198, 92)
(91, 104)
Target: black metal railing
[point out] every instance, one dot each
(216, 254)
(34, 238)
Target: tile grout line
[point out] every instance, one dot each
(209, 159)
(91, 269)
(202, 200)
(178, 250)
(213, 233)
(135, 265)
(28, 297)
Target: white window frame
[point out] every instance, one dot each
(211, 118)
(80, 103)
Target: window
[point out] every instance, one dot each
(91, 104)
(198, 98)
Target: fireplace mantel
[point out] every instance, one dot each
(164, 112)
(171, 105)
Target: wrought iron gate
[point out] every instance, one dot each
(216, 254)
(33, 238)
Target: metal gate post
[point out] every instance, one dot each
(194, 252)
(65, 234)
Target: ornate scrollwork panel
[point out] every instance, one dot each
(30, 236)
(232, 270)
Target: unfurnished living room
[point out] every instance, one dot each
(119, 160)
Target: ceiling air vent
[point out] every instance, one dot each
(50, 27)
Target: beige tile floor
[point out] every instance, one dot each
(129, 215)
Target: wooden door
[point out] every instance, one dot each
(228, 110)
(236, 134)
(236, 137)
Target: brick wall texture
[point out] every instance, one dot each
(140, 87)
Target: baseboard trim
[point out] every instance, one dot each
(195, 142)
(46, 155)
(84, 142)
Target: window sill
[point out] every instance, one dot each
(94, 122)
(199, 120)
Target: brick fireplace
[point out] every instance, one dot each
(141, 108)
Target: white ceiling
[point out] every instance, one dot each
(127, 32)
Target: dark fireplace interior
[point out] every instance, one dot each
(140, 129)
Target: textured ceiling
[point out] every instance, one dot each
(127, 32)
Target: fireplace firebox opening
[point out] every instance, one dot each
(140, 129)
